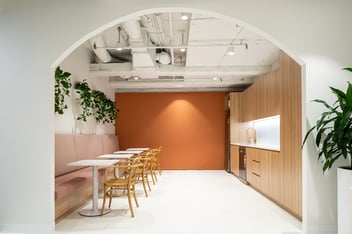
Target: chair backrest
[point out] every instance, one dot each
(132, 170)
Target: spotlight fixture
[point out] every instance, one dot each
(216, 78)
(119, 47)
(184, 16)
(230, 51)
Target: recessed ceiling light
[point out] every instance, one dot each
(230, 51)
(184, 16)
(183, 49)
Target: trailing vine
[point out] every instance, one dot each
(105, 109)
(62, 89)
(85, 99)
(95, 103)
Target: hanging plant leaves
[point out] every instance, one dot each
(95, 103)
(62, 89)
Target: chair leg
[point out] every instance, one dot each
(145, 189)
(130, 203)
(110, 198)
(156, 178)
(152, 175)
(159, 169)
(134, 195)
(146, 178)
(103, 206)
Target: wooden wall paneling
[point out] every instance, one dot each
(291, 134)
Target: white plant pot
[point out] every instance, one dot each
(344, 200)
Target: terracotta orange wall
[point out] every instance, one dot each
(190, 127)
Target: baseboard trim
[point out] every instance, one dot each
(321, 229)
(27, 229)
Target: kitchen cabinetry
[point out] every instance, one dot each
(277, 174)
(249, 104)
(234, 158)
(253, 168)
(263, 172)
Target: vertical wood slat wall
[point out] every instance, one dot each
(277, 93)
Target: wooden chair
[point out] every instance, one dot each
(142, 173)
(121, 186)
(157, 162)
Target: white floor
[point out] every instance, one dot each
(190, 202)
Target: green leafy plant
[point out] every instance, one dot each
(95, 103)
(105, 109)
(62, 89)
(85, 99)
(334, 128)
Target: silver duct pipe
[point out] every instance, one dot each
(98, 45)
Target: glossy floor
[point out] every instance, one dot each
(190, 202)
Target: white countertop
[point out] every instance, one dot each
(259, 146)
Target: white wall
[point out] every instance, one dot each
(77, 63)
(34, 34)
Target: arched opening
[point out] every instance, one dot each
(151, 11)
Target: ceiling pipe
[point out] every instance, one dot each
(99, 49)
(171, 40)
(133, 29)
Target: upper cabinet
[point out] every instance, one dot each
(249, 104)
(262, 99)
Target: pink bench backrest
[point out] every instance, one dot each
(110, 144)
(65, 152)
(73, 147)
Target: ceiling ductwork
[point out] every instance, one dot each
(98, 45)
(159, 45)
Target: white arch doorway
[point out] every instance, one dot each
(120, 20)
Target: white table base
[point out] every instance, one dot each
(93, 213)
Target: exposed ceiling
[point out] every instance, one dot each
(162, 52)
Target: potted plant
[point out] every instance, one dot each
(334, 140)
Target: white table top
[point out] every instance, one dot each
(131, 149)
(92, 162)
(128, 152)
(120, 156)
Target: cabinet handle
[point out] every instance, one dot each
(256, 161)
(255, 174)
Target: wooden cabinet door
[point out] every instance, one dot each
(235, 157)
(253, 168)
(275, 175)
(249, 104)
(264, 158)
